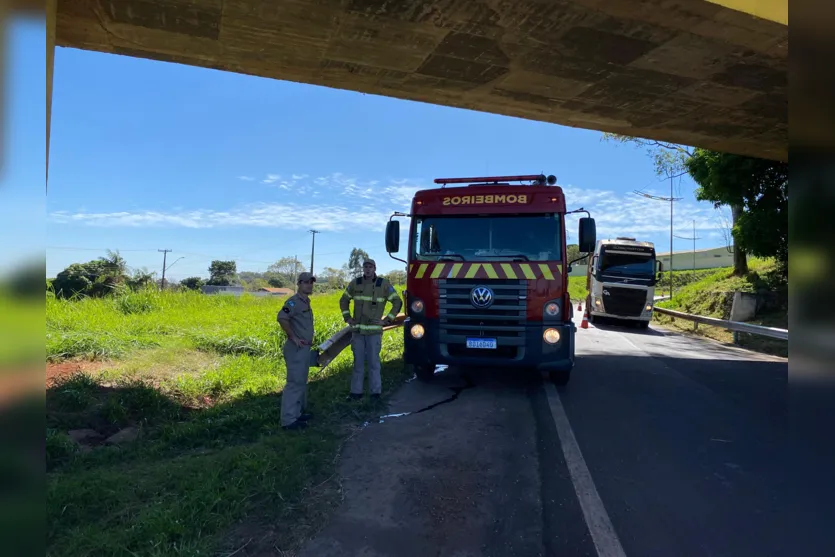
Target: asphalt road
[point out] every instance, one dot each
(661, 445)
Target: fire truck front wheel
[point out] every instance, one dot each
(424, 372)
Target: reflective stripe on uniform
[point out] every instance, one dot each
(370, 327)
(393, 296)
(369, 299)
(391, 316)
(346, 312)
(347, 294)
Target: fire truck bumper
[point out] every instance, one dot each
(529, 350)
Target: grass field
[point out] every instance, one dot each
(198, 378)
(710, 295)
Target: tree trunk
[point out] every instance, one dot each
(740, 257)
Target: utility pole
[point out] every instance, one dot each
(312, 248)
(671, 199)
(165, 253)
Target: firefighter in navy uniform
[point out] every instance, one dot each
(370, 294)
(296, 318)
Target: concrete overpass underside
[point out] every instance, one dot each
(685, 71)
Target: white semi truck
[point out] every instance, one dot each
(621, 278)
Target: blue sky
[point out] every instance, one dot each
(147, 155)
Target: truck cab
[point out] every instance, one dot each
(621, 278)
(487, 277)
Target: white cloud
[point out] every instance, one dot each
(246, 178)
(628, 214)
(331, 203)
(338, 202)
(333, 218)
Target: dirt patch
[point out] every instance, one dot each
(55, 372)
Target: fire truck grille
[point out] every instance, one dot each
(626, 302)
(503, 320)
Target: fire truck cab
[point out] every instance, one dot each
(487, 278)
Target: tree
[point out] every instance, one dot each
(396, 277)
(286, 270)
(671, 160)
(222, 273)
(355, 261)
(140, 278)
(757, 191)
(572, 252)
(94, 278)
(333, 279)
(192, 283)
(275, 281)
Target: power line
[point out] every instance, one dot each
(694, 238)
(671, 199)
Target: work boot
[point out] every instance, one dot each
(305, 417)
(298, 424)
(354, 396)
(375, 397)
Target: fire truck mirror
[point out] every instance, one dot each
(393, 236)
(588, 235)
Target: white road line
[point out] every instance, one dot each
(602, 532)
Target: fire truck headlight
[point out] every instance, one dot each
(552, 309)
(597, 302)
(551, 336)
(417, 331)
(417, 306)
(649, 307)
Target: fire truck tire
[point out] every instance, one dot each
(425, 373)
(643, 324)
(561, 377)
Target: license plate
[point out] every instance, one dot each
(489, 343)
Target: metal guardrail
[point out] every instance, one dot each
(735, 326)
(331, 348)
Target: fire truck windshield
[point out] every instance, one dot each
(470, 238)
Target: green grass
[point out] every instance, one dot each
(577, 288)
(200, 378)
(711, 295)
(578, 291)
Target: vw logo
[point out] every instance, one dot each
(481, 297)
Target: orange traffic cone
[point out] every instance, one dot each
(585, 323)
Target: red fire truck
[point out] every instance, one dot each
(487, 277)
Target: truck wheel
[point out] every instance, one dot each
(425, 373)
(643, 324)
(561, 377)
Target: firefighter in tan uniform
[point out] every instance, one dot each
(370, 294)
(296, 318)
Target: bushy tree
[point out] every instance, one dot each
(333, 279)
(397, 277)
(355, 260)
(140, 278)
(760, 187)
(222, 273)
(94, 278)
(286, 270)
(192, 283)
(573, 252)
